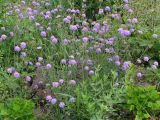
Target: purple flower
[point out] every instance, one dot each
(48, 97)
(66, 20)
(98, 50)
(73, 27)
(126, 65)
(48, 66)
(10, 70)
(146, 59)
(61, 81)
(16, 74)
(43, 34)
(72, 82)
(107, 9)
(100, 11)
(72, 62)
(86, 68)
(11, 34)
(156, 63)
(155, 36)
(91, 72)
(117, 63)
(40, 59)
(28, 78)
(134, 20)
(23, 54)
(139, 75)
(126, 1)
(54, 40)
(53, 101)
(61, 104)
(154, 67)
(38, 64)
(23, 45)
(55, 84)
(63, 61)
(17, 49)
(72, 100)
(126, 7)
(123, 32)
(3, 37)
(17, 10)
(65, 42)
(85, 39)
(85, 29)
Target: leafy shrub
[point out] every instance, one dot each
(143, 101)
(17, 109)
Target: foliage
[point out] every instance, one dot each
(17, 109)
(144, 102)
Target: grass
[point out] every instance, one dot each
(93, 89)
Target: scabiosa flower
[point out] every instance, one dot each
(126, 7)
(65, 42)
(17, 49)
(91, 72)
(28, 78)
(86, 68)
(155, 36)
(55, 84)
(48, 66)
(53, 101)
(139, 75)
(117, 63)
(23, 45)
(10, 70)
(146, 59)
(84, 29)
(72, 62)
(89, 62)
(107, 9)
(154, 67)
(66, 20)
(72, 82)
(38, 64)
(73, 27)
(43, 34)
(100, 11)
(61, 104)
(37, 24)
(31, 18)
(72, 100)
(23, 54)
(61, 81)
(139, 61)
(109, 59)
(140, 32)
(134, 20)
(85, 39)
(126, 65)
(11, 34)
(17, 10)
(63, 61)
(49, 28)
(3, 37)
(40, 59)
(126, 1)
(48, 97)
(16, 74)
(98, 50)
(123, 32)
(156, 63)
(54, 40)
